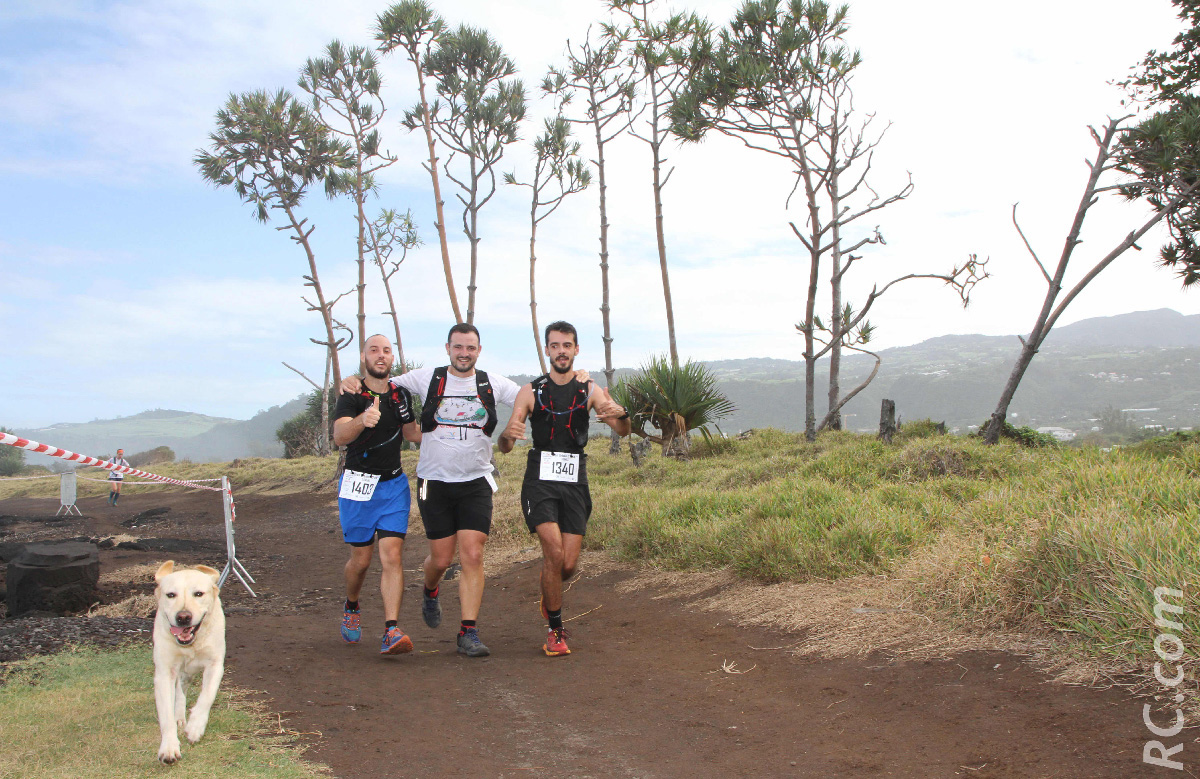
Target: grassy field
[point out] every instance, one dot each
(90, 713)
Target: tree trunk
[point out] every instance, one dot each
(323, 439)
(537, 336)
(387, 285)
(655, 148)
(615, 445)
(315, 283)
(437, 193)
(473, 237)
(887, 420)
(834, 416)
(810, 345)
(359, 200)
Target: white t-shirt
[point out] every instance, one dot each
(457, 450)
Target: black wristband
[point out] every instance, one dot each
(624, 416)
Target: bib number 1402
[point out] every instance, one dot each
(559, 466)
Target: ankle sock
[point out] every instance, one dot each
(466, 623)
(351, 605)
(431, 593)
(555, 618)
(391, 623)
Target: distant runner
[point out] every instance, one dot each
(115, 478)
(373, 495)
(555, 497)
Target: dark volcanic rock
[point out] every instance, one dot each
(170, 545)
(56, 577)
(147, 516)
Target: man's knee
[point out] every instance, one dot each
(358, 562)
(390, 551)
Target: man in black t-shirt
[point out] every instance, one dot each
(554, 496)
(373, 494)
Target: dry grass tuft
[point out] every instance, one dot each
(133, 574)
(133, 606)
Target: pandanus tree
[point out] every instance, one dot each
(412, 27)
(657, 58)
(271, 149)
(557, 173)
(344, 86)
(778, 78)
(595, 74)
(479, 111)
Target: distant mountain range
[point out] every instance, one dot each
(1147, 363)
(191, 436)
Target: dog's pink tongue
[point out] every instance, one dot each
(179, 632)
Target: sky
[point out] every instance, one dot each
(128, 283)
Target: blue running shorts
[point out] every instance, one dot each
(387, 510)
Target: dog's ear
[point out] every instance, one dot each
(213, 572)
(164, 570)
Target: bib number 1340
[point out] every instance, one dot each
(559, 466)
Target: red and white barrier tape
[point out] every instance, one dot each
(83, 459)
(124, 481)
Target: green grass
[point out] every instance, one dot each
(1056, 539)
(91, 713)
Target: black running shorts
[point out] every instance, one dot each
(450, 506)
(568, 505)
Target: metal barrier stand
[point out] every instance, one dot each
(232, 564)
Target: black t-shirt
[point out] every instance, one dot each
(377, 449)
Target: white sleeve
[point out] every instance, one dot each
(415, 381)
(505, 388)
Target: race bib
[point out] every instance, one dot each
(559, 466)
(358, 486)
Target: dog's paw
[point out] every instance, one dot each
(194, 731)
(168, 751)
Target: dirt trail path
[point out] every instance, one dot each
(642, 695)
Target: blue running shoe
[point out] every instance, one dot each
(395, 642)
(351, 626)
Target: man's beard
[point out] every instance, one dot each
(463, 368)
(382, 374)
(563, 370)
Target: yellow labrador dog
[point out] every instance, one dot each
(189, 637)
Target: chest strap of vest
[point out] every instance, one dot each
(437, 391)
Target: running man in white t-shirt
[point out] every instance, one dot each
(455, 478)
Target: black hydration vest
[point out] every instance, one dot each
(555, 428)
(437, 390)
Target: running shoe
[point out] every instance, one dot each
(351, 626)
(395, 642)
(470, 645)
(431, 610)
(556, 643)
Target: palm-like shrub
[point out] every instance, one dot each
(672, 401)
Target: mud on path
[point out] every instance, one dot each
(651, 688)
